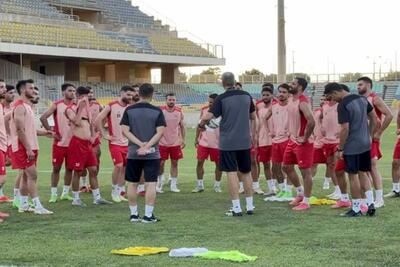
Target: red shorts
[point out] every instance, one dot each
(302, 155)
(264, 154)
(330, 149)
(59, 155)
(396, 153)
(278, 150)
(172, 152)
(80, 155)
(204, 153)
(340, 165)
(2, 163)
(9, 152)
(118, 154)
(96, 141)
(19, 159)
(319, 156)
(376, 150)
(253, 152)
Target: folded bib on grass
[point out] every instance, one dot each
(322, 201)
(186, 252)
(140, 251)
(233, 255)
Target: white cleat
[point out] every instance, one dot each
(159, 190)
(43, 211)
(78, 203)
(27, 209)
(217, 189)
(258, 191)
(175, 189)
(379, 203)
(334, 196)
(326, 185)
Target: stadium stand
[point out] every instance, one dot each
(32, 7)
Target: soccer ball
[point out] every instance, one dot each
(214, 123)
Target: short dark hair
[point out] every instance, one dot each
(332, 87)
(9, 87)
(345, 87)
(136, 85)
(65, 86)
(303, 82)
(365, 79)
(126, 88)
(169, 94)
(268, 85)
(213, 96)
(22, 83)
(146, 90)
(89, 87)
(36, 88)
(267, 89)
(285, 86)
(82, 90)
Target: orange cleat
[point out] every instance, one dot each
(4, 215)
(296, 201)
(4, 199)
(302, 206)
(341, 204)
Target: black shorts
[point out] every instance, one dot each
(358, 163)
(135, 167)
(232, 161)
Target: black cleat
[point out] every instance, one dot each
(135, 218)
(231, 213)
(351, 213)
(151, 219)
(371, 210)
(250, 212)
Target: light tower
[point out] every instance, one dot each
(281, 42)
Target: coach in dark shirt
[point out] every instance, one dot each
(143, 124)
(236, 109)
(358, 120)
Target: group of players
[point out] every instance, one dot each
(80, 123)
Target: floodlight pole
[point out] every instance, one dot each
(281, 42)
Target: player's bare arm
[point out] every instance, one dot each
(99, 122)
(388, 117)
(19, 117)
(305, 109)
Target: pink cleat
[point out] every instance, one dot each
(364, 208)
(341, 204)
(302, 206)
(4, 215)
(5, 199)
(296, 201)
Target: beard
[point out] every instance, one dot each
(171, 105)
(136, 98)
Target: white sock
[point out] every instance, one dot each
(356, 205)
(241, 185)
(83, 181)
(306, 200)
(160, 182)
(379, 194)
(148, 210)
(300, 191)
(114, 190)
(96, 194)
(337, 190)
(327, 179)
(140, 188)
(75, 195)
(282, 187)
(200, 183)
(236, 206)
(54, 191)
(122, 189)
(16, 193)
(396, 187)
(370, 197)
(345, 197)
(133, 209)
(249, 203)
(256, 185)
(119, 190)
(270, 185)
(66, 190)
(1, 191)
(37, 203)
(174, 181)
(275, 182)
(217, 183)
(24, 202)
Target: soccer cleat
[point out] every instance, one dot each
(302, 206)
(363, 208)
(4, 215)
(326, 185)
(258, 191)
(101, 201)
(341, 204)
(43, 211)
(135, 218)
(371, 210)
(159, 190)
(123, 198)
(151, 219)
(123, 194)
(296, 201)
(198, 189)
(78, 203)
(231, 213)
(16, 203)
(175, 189)
(393, 194)
(116, 199)
(250, 212)
(25, 209)
(217, 189)
(66, 197)
(270, 193)
(351, 213)
(53, 199)
(287, 196)
(334, 196)
(5, 199)
(379, 203)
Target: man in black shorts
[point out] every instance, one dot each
(358, 120)
(236, 109)
(143, 124)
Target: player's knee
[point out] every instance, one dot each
(56, 169)
(396, 164)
